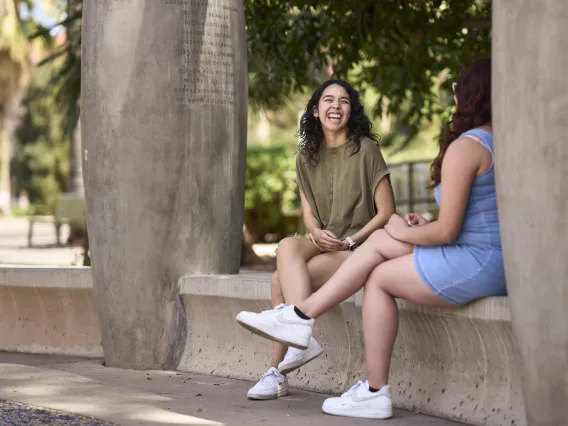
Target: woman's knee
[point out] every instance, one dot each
(385, 245)
(378, 240)
(291, 247)
(377, 237)
(287, 245)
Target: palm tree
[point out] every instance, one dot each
(14, 76)
(66, 83)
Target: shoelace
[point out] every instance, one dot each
(269, 378)
(353, 388)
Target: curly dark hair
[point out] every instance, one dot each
(311, 133)
(473, 92)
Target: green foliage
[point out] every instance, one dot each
(40, 163)
(401, 49)
(406, 51)
(65, 83)
(268, 192)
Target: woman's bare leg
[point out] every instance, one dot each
(320, 269)
(353, 274)
(394, 278)
(292, 259)
(278, 349)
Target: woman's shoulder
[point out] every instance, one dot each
(370, 148)
(369, 145)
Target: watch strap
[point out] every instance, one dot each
(352, 244)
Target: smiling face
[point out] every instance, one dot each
(334, 109)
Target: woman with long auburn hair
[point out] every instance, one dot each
(445, 263)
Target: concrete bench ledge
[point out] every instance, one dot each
(47, 277)
(455, 363)
(256, 285)
(49, 310)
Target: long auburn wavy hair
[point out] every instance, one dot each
(311, 133)
(473, 93)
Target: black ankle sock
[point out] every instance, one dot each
(301, 314)
(373, 389)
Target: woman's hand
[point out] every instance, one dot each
(415, 219)
(396, 227)
(326, 240)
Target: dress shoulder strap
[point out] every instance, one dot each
(484, 137)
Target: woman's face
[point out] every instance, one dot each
(334, 108)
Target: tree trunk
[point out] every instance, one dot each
(14, 76)
(9, 120)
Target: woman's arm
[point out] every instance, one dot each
(324, 239)
(384, 200)
(310, 222)
(462, 162)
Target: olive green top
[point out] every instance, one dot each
(340, 188)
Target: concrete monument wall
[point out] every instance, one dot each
(164, 107)
(530, 101)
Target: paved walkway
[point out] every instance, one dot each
(14, 248)
(127, 397)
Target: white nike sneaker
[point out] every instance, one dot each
(280, 324)
(359, 401)
(270, 386)
(295, 358)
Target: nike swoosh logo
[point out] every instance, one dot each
(280, 318)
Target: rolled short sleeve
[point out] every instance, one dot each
(379, 169)
(300, 172)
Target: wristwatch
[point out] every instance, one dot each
(352, 244)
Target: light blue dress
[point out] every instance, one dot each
(470, 267)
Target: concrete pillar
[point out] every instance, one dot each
(164, 107)
(530, 102)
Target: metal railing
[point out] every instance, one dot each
(410, 182)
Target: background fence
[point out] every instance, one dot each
(410, 182)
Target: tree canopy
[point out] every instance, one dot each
(402, 49)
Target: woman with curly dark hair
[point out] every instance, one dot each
(445, 263)
(345, 195)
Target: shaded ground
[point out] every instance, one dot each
(128, 397)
